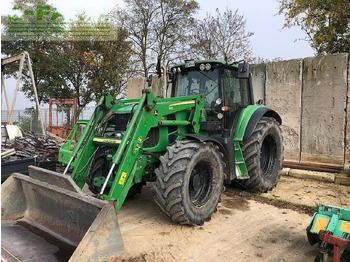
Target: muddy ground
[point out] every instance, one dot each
(247, 227)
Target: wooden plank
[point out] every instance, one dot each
(11, 59)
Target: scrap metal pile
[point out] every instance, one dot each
(31, 145)
(31, 149)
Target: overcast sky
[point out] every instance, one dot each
(269, 40)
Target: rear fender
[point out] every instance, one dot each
(249, 118)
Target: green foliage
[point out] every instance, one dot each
(326, 22)
(69, 65)
(47, 70)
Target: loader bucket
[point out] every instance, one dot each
(46, 217)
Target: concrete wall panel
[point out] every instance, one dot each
(283, 94)
(134, 87)
(324, 107)
(258, 81)
(347, 130)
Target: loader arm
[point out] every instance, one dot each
(131, 158)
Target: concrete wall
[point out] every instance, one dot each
(135, 86)
(347, 129)
(312, 96)
(324, 108)
(283, 92)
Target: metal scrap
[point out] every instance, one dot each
(31, 145)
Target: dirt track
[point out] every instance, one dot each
(241, 230)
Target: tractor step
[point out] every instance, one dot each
(241, 168)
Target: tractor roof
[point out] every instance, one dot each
(210, 61)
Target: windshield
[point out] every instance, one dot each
(198, 82)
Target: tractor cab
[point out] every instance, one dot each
(226, 88)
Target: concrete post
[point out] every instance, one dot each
(135, 87)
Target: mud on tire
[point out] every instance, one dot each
(189, 182)
(263, 154)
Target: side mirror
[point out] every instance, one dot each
(158, 67)
(149, 80)
(243, 70)
(259, 102)
(170, 76)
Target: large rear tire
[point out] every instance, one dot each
(189, 182)
(263, 155)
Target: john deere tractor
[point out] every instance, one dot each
(208, 133)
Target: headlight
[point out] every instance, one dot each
(218, 101)
(178, 69)
(174, 70)
(207, 67)
(220, 115)
(202, 67)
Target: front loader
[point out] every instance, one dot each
(207, 134)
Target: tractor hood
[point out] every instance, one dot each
(126, 108)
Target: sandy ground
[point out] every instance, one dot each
(241, 230)
(310, 192)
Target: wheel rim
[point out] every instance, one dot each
(97, 178)
(200, 185)
(268, 155)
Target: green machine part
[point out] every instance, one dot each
(154, 123)
(243, 120)
(130, 161)
(66, 149)
(330, 219)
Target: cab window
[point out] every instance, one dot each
(236, 90)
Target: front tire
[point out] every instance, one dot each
(189, 182)
(99, 170)
(263, 155)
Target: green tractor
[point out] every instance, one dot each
(208, 133)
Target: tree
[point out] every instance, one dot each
(222, 37)
(172, 27)
(96, 66)
(69, 64)
(136, 20)
(157, 28)
(46, 65)
(325, 22)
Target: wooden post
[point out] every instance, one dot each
(17, 88)
(35, 92)
(5, 94)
